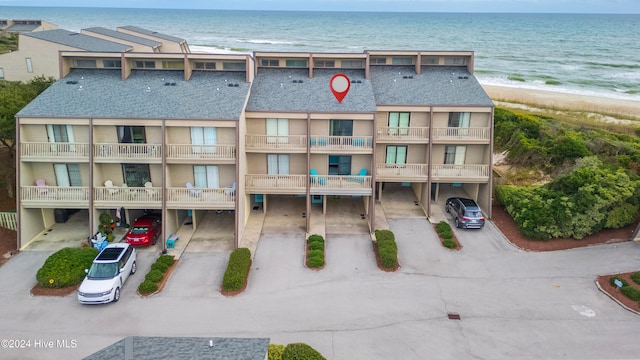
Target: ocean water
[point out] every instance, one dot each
(573, 53)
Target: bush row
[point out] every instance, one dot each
(446, 234)
(237, 270)
(387, 249)
(315, 251)
(629, 291)
(294, 351)
(155, 274)
(66, 267)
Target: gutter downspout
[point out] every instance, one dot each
(429, 161)
(308, 185)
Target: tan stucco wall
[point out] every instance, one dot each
(43, 55)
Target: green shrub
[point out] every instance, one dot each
(316, 245)
(636, 278)
(147, 287)
(315, 237)
(442, 226)
(387, 248)
(315, 261)
(154, 276)
(237, 270)
(384, 235)
(301, 351)
(159, 266)
(614, 278)
(449, 243)
(631, 292)
(275, 351)
(166, 259)
(66, 267)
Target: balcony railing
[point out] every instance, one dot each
(462, 134)
(196, 198)
(460, 172)
(386, 133)
(127, 152)
(201, 152)
(276, 184)
(54, 196)
(336, 143)
(59, 150)
(401, 172)
(341, 185)
(121, 196)
(269, 142)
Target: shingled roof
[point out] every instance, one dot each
(79, 41)
(123, 36)
(436, 85)
(145, 94)
(291, 90)
(152, 33)
(158, 348)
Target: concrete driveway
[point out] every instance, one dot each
(512, 304)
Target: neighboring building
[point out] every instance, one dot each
(23, 26)
(187, 134)
(38, 51)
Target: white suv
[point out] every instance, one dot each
(109, 271)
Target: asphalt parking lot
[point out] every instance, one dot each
(512, 304)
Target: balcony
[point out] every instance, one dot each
(453, 135)
(409, 135)
(460, 173)
(402, 172)
(341, 144)
(275, 144)
(341, 185)
(53, 196)
(50, 152)
(221, 154)
(130, 153)
(276, 184)
(185, 198)
(131, 197)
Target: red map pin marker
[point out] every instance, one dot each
(339, 85)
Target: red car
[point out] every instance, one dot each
(145, 231)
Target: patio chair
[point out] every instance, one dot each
(230, 190)
(315, 179)
(148, 187)
(194, 191)
(42, 187)
(110, 188)
(130, 192)
(360, 177)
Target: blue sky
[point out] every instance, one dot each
(540, 6)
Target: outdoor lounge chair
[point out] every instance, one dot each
(360, 177)
(110, 188)
(194, 191)
(42, 187)
(148, 187)
(315, 179)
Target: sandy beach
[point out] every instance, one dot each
(565, 101)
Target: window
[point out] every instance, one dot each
(67, 174)
(396, 154)
(1, 74)
(454, 154)
(233, 65)
(398, 123)
(341, 128)
(172, 64)
(206, 176)
(145, 64)
(455, 61)
(296, 63)
(131, 134)
(200, 65)
(324, 63)
(352, 64)
(430, 60)
(136, 175)
(270, 62)
(112, 63)
(60, 133)
(203, 136)
(458, 123)
(29, 65)
(402, 60)
(277, 164)
(339, 164)
(85, 63)
(278, 131)
(378, 60)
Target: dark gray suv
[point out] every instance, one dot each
(466, 212)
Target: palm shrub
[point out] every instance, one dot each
(237, 270)
(301, 351)
(66, 267)
(387, 248)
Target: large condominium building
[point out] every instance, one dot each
(188, 134)
(38, 52)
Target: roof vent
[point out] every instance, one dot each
(72, 82)
(167, 84)
(230, 85)
(236, 85)
(173, 84)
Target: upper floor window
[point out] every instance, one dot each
(459, 119)
(233, 65)
(430, 60)
(324, 63)
(270, 62)
(202, 65)
(145, 64)
(112, 63)
(131, 134)
(353, 64)
(378, 60)
(173, 64)
(85, 63)
(455, 60)
(404, 60)
(296, 63)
